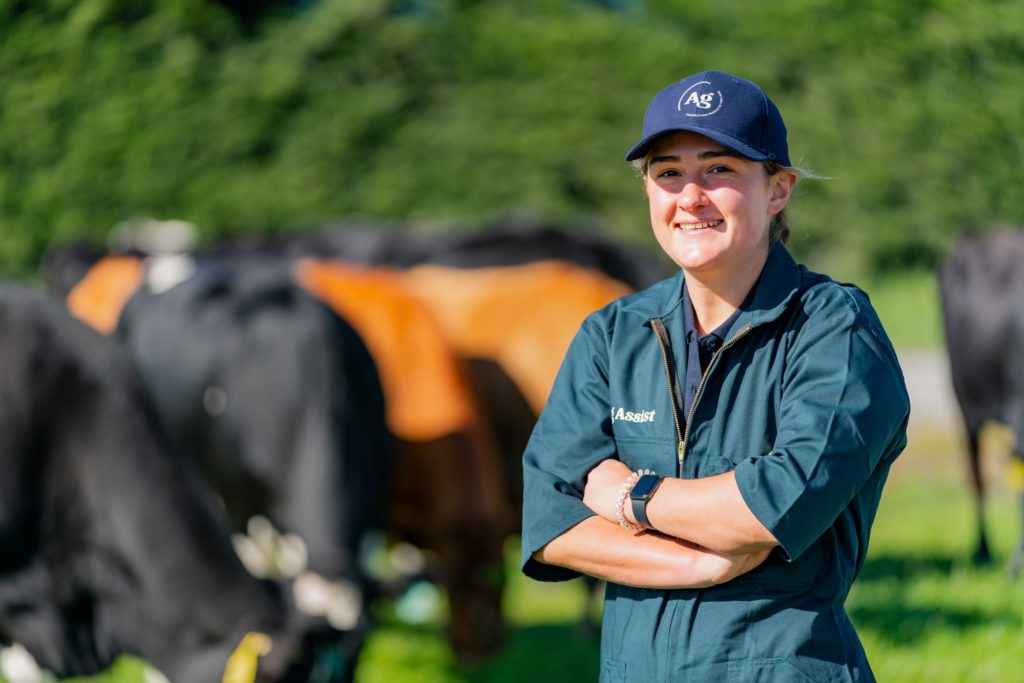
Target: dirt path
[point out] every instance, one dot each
(932, 404)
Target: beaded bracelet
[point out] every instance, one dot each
(620, 502)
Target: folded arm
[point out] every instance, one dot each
(708, 512)
(605, 550)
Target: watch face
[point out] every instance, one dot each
(645, 486)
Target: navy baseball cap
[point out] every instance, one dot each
(726, 108)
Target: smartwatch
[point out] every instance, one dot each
(639, 496)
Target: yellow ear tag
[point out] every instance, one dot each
(1017, 474)
(242, 664)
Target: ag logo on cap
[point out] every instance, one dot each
(700, 100)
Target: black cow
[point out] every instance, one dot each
(278, 401)
(982, 288)
(106, 545)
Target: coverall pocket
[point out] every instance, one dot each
(647, 453)
(612, 671)
(770, 670)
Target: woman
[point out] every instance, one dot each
(715, 446)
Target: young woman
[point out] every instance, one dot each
(715, 446)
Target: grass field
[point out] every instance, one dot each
(923, 612)
(908, 305)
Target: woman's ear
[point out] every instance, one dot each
(781, 186)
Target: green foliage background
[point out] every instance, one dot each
(427, 111)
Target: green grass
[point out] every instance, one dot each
(908, 305)
(923, 611)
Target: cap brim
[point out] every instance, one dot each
(640, 149)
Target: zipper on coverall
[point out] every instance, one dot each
(675, 388)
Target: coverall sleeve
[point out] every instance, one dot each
(572, 435)
(843, 413)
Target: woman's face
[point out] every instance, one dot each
(710, 207)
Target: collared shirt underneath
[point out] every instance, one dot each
(700, 350)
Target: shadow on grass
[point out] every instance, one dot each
(906, 567)
(546, 653)
(886, 602)
(538, 653)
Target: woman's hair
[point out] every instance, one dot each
(778, 229)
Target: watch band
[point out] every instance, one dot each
(648, 483)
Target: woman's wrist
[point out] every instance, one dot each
(624, 511)
(620, 503)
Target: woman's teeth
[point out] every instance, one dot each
(698, 226)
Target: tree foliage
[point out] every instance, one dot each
(263, 116)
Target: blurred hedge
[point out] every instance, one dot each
(258, 116)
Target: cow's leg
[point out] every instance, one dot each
(1017, 484)
(981, 553)
(588, 627)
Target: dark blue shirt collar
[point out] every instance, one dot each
(699, 351)
(690, 324)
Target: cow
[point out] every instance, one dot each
(513, 324)
(981, 283)
(449, 493)
(279, 403)
(445, 493)
(107, 544)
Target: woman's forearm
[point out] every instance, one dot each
(604, 550)
(708, 512)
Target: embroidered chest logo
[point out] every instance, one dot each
(623, 415)
(700, 100)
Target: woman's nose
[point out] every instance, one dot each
(692, 197)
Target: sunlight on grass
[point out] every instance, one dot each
(908, 306)
(923, 611)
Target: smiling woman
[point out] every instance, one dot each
(731, 514)
(710, 211)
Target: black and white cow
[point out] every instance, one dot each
(107, 546)
(278, 402)
(981, 283)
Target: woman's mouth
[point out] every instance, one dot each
(689, 227)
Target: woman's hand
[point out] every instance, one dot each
(604, 484)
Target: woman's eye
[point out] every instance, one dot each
(720, 169)
(666, 173)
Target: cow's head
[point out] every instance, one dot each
(310, 650)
